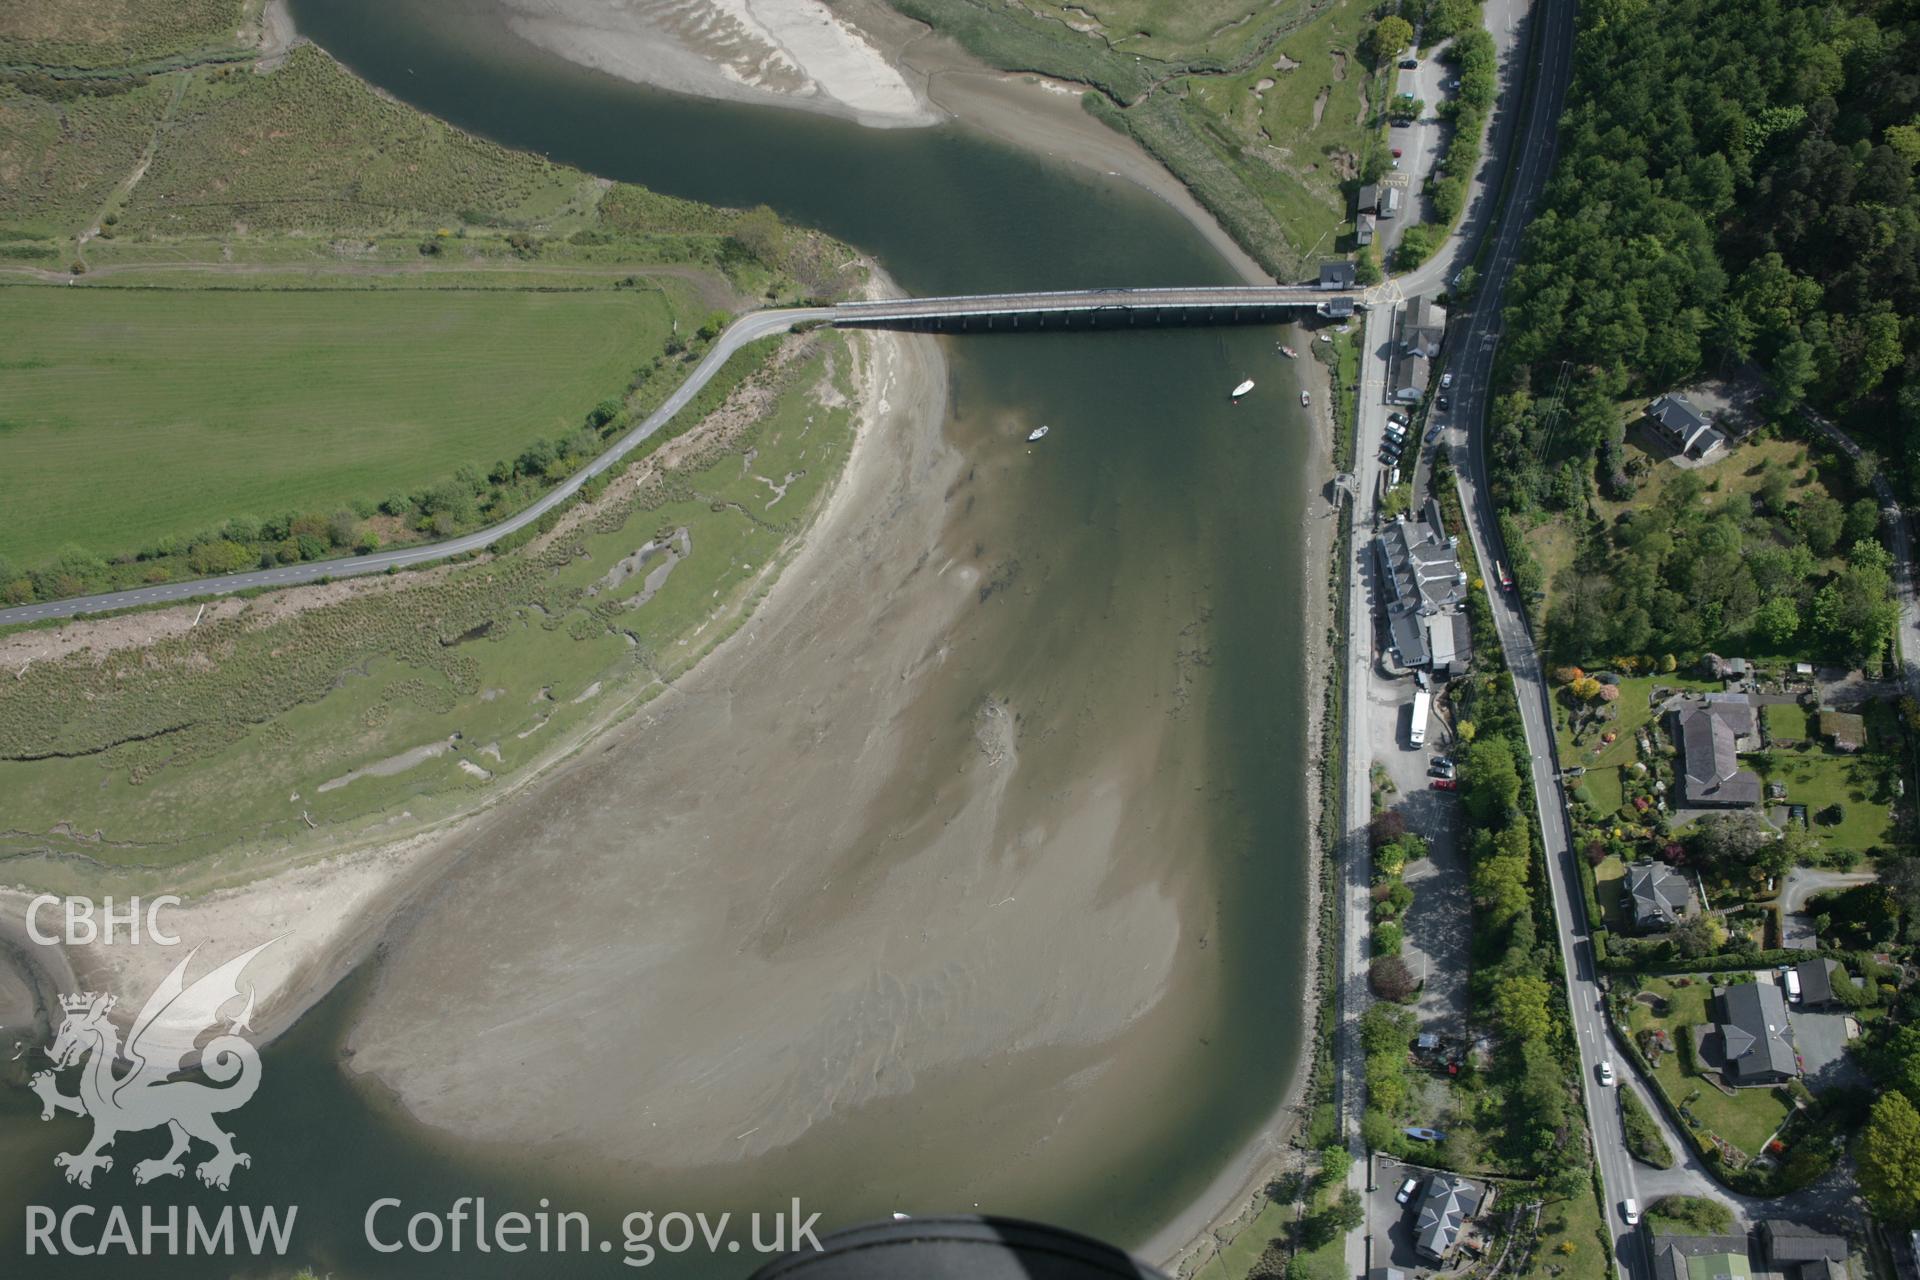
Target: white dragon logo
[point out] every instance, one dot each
(159, 1046)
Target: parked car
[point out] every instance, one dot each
(1443, 400)
(1405, 1194)
(1409, 64)
(1433, 432)
(1441, 767)
(1396, 433)
(1397, 153)
(1630, 1212)
(1446, 380)
(1606, 1074)
(1399, 419)
(1444, 784)
(1425, 1135)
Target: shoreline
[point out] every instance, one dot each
(1195, 1236)
(349, 896)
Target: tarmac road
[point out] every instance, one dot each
(748, 328)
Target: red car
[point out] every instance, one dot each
(1444, 784)
(1396, 153)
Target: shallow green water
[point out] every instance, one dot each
(1156, 511)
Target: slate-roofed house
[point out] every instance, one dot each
(1658, 896)
(1423, 323)
(1679, 422)
(1798, 1252)
(1444, 1210)
(1367, 200)
(1364, 227)
(1712, 732)
(1450, 644)
(1748, 1045)
(1338, 275)
(1420, 571)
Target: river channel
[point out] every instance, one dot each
(1145, 594)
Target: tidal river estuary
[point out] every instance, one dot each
(974, 872)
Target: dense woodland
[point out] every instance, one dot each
(1735, 182)
(1735, 192)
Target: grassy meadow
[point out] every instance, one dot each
(246, 732)
(115, 33)
(129, 416)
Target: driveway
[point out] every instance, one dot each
(1820, 1036)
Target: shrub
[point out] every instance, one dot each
(1644, 1142)
(1391, 979)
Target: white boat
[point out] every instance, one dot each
(1243, 388)
(1037, 433)
(1306, 398)
(1289, 353)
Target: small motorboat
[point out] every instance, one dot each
(1243, 388)
(1306, 398)
(1038, 433)
(1289, 353)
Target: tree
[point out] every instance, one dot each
(1889, 1160)
(1391, 979)
(1492, 782)
(1778, 621)
(1389, 36)
(1522, 1006)
(760, 234)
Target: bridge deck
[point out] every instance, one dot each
(1220, 298)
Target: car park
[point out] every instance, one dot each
(1405, 1194)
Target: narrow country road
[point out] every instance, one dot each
(748, 328)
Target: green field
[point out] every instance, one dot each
(131, 416)
(244, 731)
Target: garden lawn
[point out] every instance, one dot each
(1790, 723)
(1603, 761)
(1747, 1119)
(1572, 1241)
(128, 417)
(1609, 881)
(1819, 779)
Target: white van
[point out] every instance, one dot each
(1793, 987)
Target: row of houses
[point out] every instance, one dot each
(1372, 204)
(1775, 1250)
(1423, 593)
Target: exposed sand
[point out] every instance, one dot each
(786, 52)
(780, 930)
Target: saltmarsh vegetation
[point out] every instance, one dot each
(239, 730)
(1269, 113)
